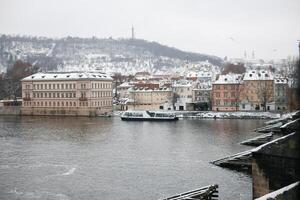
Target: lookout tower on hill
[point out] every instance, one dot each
(132, 33)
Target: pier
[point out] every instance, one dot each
(209, 192)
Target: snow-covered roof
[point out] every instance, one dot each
(253, 75)
(126, 85)
(64, 76)
(229, 79)
(145, 89)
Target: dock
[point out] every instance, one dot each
(209, 192)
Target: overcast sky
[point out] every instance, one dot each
(219, 27)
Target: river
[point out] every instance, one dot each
(109, 159)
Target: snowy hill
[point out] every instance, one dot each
(126, 56)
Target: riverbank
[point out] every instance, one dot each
(221, 115)
(15, 110)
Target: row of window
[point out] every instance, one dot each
(66, 94)
(225, 103)
(226, 95)
(101, 85)
(54, 86)
(225, 87)
(66, 103)
(54, 95)
(102, 94)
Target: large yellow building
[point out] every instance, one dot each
(150, 99)
(67, 93)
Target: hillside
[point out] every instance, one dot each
(110, 55)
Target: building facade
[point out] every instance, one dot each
(281, 94)
(226, 93)
(67, 93)
(183, 95)
(258, 90)
(150, 99)
(202, 96)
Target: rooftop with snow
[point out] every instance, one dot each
(63, 76)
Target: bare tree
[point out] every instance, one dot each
(265, 94)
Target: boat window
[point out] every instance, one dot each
(133, 114)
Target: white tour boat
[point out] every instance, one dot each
(136, 115)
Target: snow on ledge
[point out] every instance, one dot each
(276, 193)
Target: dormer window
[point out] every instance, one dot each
(68, 76)
(225, 79)
(55, 76)
(80, 75)
(266, 75)
(250, 75)
(32, 77)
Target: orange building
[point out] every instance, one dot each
(225, 93)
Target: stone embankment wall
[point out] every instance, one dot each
(17, 110)
(10, 110)
(65, 111)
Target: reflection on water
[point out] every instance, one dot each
(106, 158)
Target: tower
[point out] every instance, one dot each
(299, 47)
(132, 33)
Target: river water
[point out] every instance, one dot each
(108, 159)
